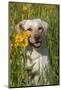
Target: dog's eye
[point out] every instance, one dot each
(29, 29)
(39, 28)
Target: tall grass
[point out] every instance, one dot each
(18, 75)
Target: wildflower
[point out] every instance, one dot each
(11, 46)
(22, 39)
(25, 9)
(10, 61)
(24, 43)
(18, 38)
(16, 45)
(27, 34)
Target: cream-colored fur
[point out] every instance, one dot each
(40, 59)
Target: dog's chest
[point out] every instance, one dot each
(38, 58)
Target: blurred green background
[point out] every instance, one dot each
(49, 13)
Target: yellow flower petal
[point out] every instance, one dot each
(11, 44)
(27, 34)
(10, 61)
(22, 39)
(25, 9)
(24, 43)
(18, 38)
(16, 45)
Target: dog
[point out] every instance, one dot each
(37, 54)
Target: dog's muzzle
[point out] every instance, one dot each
(37, 44)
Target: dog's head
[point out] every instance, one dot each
(36, 27)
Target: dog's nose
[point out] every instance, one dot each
(37, 37)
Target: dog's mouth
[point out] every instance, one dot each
(37, 44)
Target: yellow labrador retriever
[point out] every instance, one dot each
(36, 51)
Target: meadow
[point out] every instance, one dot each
(18, 76)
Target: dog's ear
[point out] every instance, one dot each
(44, 25)
(20, 26)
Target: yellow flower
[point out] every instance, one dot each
(25, 9)
(11, 46)
(18, 38)
(22, 39)
(16, 45)
(24, 43)
(10, 61)
(27, 34)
